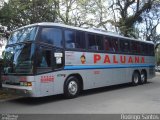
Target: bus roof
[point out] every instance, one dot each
(92, 30)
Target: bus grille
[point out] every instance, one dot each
(10, 83)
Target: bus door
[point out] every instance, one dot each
(44, 70)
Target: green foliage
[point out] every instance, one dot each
(17, 13)
(128, 18)
(121, 16)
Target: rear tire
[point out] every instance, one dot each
(143, 78)
(71, 87)
(135, 78)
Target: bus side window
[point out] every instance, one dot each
(124, 46)
(144, 48)
(95, 42)
(107, 44)
(51, 36)
(99, 41)
(43, 60)
(70, 39)
(151, 49)
(136, 47)
(92, 42)
(80, 40)
(114, 44)
(133, 47)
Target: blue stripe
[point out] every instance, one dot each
(82, 67)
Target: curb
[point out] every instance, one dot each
(8, 99)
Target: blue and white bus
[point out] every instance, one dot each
(46, 59)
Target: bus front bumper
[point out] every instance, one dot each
(18, 90)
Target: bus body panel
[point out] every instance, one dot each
(94, 72)
(91, 79)
(97, 68)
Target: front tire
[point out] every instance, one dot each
(135, 78)
(71, 87)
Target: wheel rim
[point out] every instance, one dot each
(72, 87)
(142, 78)
(136, 79)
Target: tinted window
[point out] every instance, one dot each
(95, 42)
(80, 39)
(114, 44)
(43, 60)
(51, 36)
(136, 47)
(107, 44)
(124, 46)
(151, 49)
(26, 34)
(99, 41)
(144, 48)
(70, 39)
(92, 42)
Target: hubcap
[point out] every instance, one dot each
(142, 77)
(136, 78)
(72, 87)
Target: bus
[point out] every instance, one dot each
(45, 59)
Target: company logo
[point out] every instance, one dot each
(47, 79)
(118, 59)
(83, 59)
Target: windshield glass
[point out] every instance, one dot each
(22, 35)
(19, 59)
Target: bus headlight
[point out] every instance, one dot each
(29, 84)
(21, 83)
(26, 83)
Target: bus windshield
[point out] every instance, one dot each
(22, 35)
(19, 59)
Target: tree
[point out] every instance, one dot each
(18, 13)
(150, 22)
(127, 13)
(74, 12)
(122, 16)
(4, 34)
(63, 10)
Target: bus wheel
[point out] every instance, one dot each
(143, 78)
(135, 78)
(71, 87)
